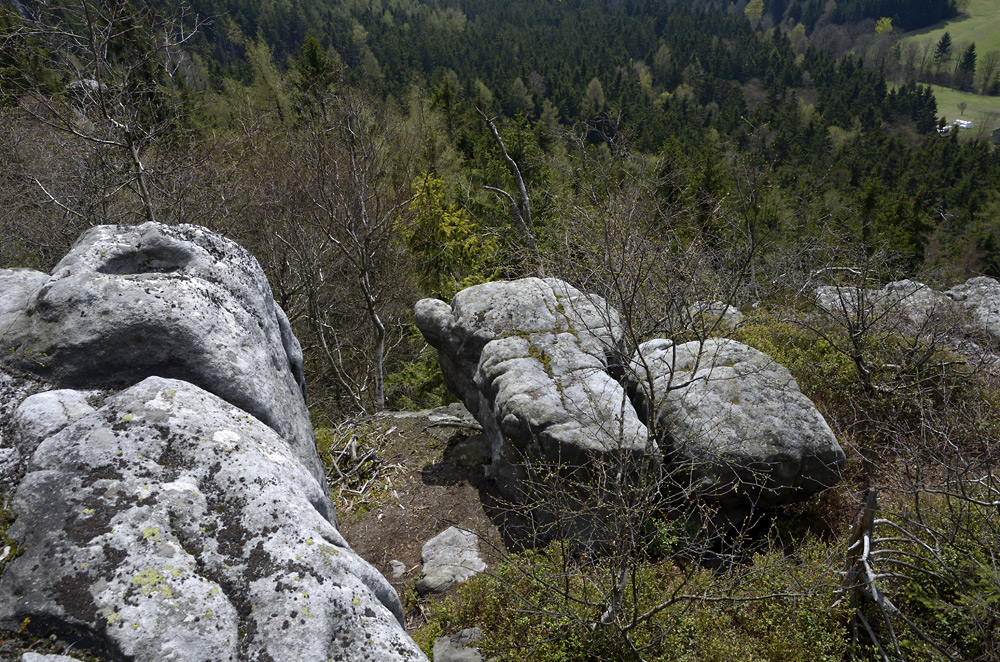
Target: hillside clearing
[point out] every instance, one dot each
(984, 111)
(977, 24)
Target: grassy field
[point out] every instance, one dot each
(979, 24)
(983, 111)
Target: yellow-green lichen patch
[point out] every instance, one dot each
(150, 581)
(151, 533)
(329, 551)
(127, 417)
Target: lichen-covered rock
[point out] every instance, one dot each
(17, 287)
(736, 421)
(531, 359)
(14, 389)
(908, 304)
(174, 520)
(128, 302)
(170, 525)
(980, 298)
(450, 556)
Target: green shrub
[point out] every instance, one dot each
(539, 606)
(418, 384)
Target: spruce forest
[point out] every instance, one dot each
(658, 153)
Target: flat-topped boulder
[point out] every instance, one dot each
(735, 420)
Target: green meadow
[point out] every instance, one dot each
(984, 111)
(980, 23)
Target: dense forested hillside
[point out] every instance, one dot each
(662, 154)
(705, 100)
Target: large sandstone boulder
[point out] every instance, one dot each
(185, 517)
(735, 421)
(170, 525)
(536, 362)
(531, 360)
(128, 302)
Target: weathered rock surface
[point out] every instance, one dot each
(449, 557)
(186, 516)
(715, 317)
(980, 298)
(458, 647)
(17, 286)
(128, 302)
(736, 419)
(534, 362)
(43, 414)
(171, 525)
(530, 359)
(909, 303)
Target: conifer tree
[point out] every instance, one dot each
(966, 68)
(942, 52)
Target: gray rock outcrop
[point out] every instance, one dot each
(530, 359)
(185, 516)
(980, 299)
(458, 647)
(450, 556)
(907, 303)
(736, 421)
(538, 363)
(128, 302)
